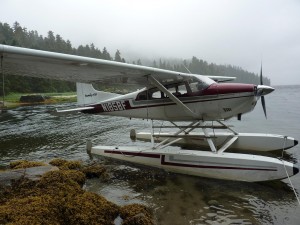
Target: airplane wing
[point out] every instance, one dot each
(221, 79)
(52, 65)
(44, 64)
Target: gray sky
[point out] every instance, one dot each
(237, 32)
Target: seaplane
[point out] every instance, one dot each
(187, 101)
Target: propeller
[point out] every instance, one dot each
(263, 97)
(263, 90)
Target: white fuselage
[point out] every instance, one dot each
(219, 101)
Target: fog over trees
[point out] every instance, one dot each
(22, 37)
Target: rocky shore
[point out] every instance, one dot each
(52, 193)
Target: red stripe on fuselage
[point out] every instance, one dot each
(227, 88)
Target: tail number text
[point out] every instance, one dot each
(113, 106)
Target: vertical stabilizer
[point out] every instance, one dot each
(86, 94)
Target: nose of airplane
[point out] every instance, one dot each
(264, 90)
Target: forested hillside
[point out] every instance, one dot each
(20, 36)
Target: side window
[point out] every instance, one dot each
(178, 90)
(153, 93)
(156, 94)
(142, 96)
(172, 90)
(182, 89)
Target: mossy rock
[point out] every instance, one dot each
(90, 208)
(57, 162)
(139, 219)
(30, 210)
(65, 164)
(92, 171)
(57, 198)
(136, 214)
(62, 180)
(21, 164)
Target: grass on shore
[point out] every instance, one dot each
(13, 98)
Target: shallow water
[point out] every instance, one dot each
(33, 133)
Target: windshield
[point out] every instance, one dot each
(199, 84)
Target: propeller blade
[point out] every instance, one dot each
(264, 105)
(261, 78)
(263, 90)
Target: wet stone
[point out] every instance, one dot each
(33, 173)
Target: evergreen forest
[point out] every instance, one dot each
(22, 37)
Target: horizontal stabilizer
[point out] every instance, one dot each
(70, 111)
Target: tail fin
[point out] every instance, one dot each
(86, 94)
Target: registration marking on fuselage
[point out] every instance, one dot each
(114, 106)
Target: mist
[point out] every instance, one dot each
(241, 33)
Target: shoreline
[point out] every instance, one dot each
(13, 100)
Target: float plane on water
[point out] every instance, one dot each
(200, 102)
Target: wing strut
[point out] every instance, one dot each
(171, 96)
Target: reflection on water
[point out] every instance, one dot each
(33, 133)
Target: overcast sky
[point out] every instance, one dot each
(237, 32)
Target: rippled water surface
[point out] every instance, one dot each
(33, 133)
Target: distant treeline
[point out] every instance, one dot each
(20, 36)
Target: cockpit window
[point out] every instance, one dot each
(181, 89)
(198, 86)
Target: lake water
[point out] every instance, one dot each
(32, 133)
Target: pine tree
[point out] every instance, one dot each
(105, 54)
(118, 56)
